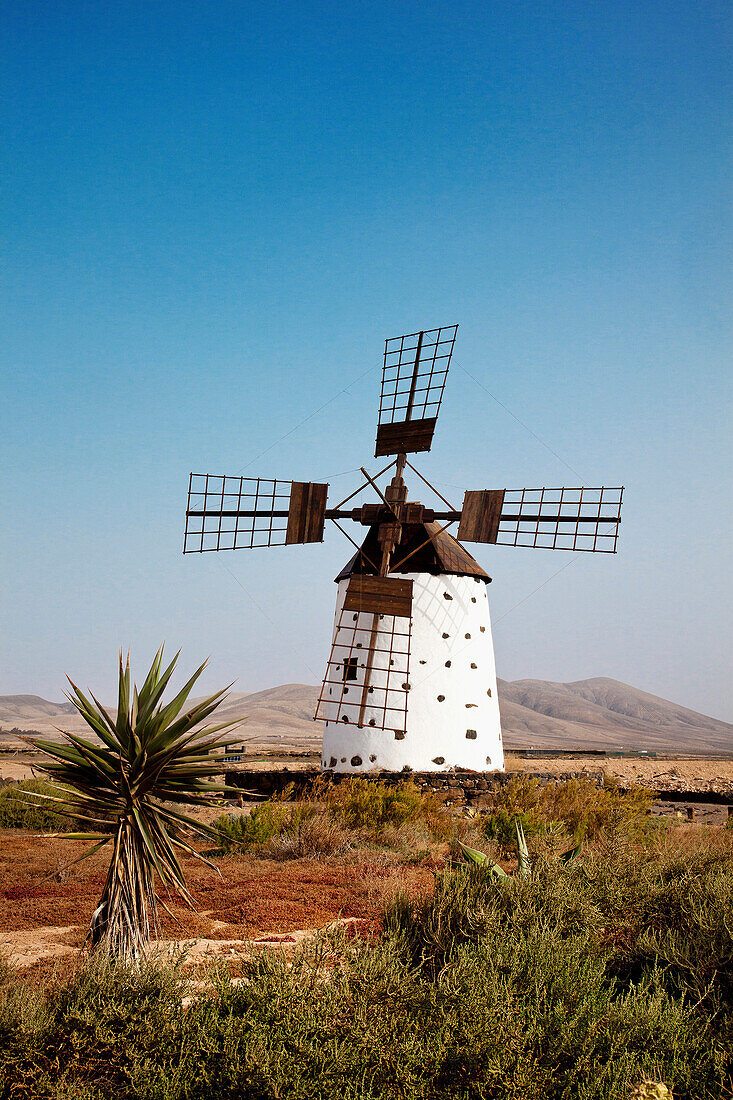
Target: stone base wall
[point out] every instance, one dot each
(453, 787)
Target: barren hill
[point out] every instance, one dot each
(22, 710)
(603, 713)
(592, 714)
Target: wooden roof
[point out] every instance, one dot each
(443, 554)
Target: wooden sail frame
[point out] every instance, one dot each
(414, 374)
(583, 519)
(237, 513)
(377, 698)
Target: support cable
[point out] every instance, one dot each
(307, 418)
(520, 422)
(262, 611)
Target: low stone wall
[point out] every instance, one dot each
(453, 787)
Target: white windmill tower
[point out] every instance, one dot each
(410, 679)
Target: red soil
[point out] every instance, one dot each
(253, 897)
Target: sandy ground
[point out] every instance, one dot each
(671, 773)
(254, 905)
(10, 769)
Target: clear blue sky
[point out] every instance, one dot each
(213, 214)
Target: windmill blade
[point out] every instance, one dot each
(413, 380)
(233, 513)
(584, 519)
(367, 675)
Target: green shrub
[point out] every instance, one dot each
(663, 912)
(89, 1027)
(500, 826)
(479, 992)
(676, 915)
(242, 832)
(18, 811)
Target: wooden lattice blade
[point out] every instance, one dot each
(233, 513)
(584, 519)
(413, 380)
(367, 675)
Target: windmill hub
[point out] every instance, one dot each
(410, 679)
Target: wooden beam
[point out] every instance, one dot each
(379, 595)
(405, 436)
(368, 670)
(413, 383)
(425, 543)
(307, 512)
(480, 515)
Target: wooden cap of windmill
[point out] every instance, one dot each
(426, 549)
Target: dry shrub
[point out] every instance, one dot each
(273, 830)
(412, 842)
(316, 836)
(375, 807)
(321, 835)
(338, 818)
(585, 809)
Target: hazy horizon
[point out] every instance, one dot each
(235, 691)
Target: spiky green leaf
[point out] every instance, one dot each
(472, 855)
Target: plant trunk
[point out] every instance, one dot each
(127, 915)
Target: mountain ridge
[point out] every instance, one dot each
(595, 713)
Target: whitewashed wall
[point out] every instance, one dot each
(452, 707)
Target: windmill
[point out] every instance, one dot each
(410, 680)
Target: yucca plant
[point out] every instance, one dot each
(149, 758)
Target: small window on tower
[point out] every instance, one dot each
(350, 668)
